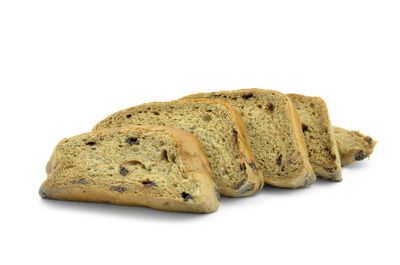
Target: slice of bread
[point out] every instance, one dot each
(158, 167)
(275, 133)
(219, 129)
(353, 145)
(318, 133)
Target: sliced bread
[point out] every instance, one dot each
(318, 133)
(275, 134)
(158, 167)
(353, 145)
(218, 127)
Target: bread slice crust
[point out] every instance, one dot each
(353, 146)
(191, 161)
(238, 179)
(318, 133)
(258, 103)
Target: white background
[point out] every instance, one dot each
(65, 65)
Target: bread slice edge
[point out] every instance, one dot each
(193, 157)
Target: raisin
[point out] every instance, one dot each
(270, 107)
(217, 194)
(91, 143)
(129, 116)
(330, 170)
(240, 184)
(123, 171)
(304, 128)
(309, 180)
(369, 140)
(252, 165)
(119, 189)
(306, 182)
(83, 181)
(186, 196)
(80, 181)
(149, 183)
(279, 160)
(329, 151)
(42, 194)
(247, 96)
(360, 156)
(235, 135)
(132, 140)
(248, 188)
(209, 110)
(243, 166)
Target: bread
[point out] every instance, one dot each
(275, 134)
(353, 146)
(158, 167)
(318, 133)
(219, 129)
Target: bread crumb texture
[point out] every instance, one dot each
(146, 166)
(275, 135)
(319, 136)
(219, 129)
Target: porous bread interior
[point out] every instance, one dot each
(266, 115)
(316, 127)
(136, 161)
(211, 123)
(353, 145)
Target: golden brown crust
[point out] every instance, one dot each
(192, 155)
(74, 192)
(53, 160)
(337, 175)
(254, 178)
(307, 176)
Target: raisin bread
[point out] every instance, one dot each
(353, 146)
(158, 167)
(275, 133)
(220, 130)
(319, 136)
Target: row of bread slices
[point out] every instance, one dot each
(180, 155)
